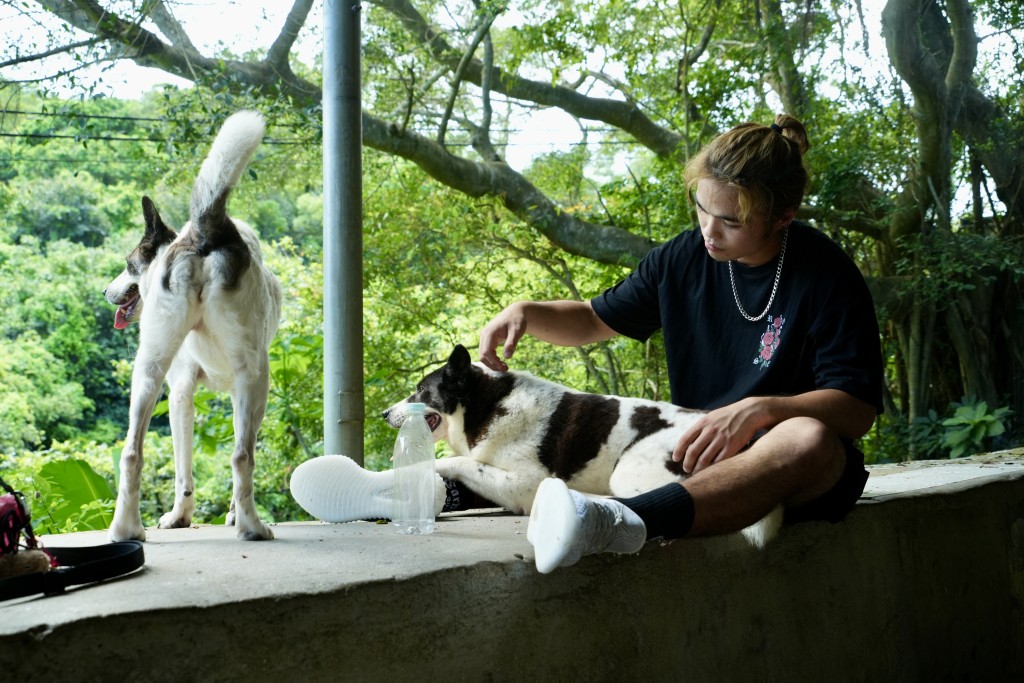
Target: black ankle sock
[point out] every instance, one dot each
(667, 511)
(458, 497)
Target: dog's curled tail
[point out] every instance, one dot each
(230, 153)
(763, 532)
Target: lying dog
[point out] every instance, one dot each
(511, 430)
(207, 309)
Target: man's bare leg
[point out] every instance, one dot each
(794, 463)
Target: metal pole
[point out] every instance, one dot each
(343, 231)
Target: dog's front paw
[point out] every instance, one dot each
(455, 466)
(174, 520)
(121, 531)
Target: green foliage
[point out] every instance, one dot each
(927, 436)
(971, 426)
(271, 218)
(39, 401)
(64, 207)
(560, 174)
(79, 498)
(968, 427)
(110, 140)
(69, 487)
(887, 441)
(308, 224)
(55, 315)
(950, 263)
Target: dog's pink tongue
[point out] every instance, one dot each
(120, 322)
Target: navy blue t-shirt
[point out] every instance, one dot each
(820, 333)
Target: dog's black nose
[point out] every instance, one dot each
(386, 413)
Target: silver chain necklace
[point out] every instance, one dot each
(775, 286)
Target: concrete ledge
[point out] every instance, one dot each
(924, 581)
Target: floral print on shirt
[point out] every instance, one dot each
(769, 342)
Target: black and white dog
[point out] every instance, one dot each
(511, 430)
(207, 309)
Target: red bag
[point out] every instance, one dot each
(14, 522)
(61, 567)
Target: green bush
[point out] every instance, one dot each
(69, 486)
(971, 426)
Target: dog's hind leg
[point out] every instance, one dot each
(249, 400)
(643, 468)
(182, 380)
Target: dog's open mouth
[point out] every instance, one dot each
(126, 310)
(433, 420)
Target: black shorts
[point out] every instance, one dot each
(836, 503)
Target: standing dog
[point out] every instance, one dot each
(511, 430)
(207, 309)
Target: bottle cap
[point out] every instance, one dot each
(415, 407)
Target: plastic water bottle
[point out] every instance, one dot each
(412, 502)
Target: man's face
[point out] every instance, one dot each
(727, 239)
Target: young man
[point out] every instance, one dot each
(767, 324)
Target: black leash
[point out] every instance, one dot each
(77, 566)
(70, 566)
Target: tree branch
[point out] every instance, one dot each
(481, 31)
(485, 87)
(478, 179)
(488, 178)
(48, 53)
(279, 51)
(625, 116)
(918, 67)
(853, 221)
(698, 50)
(964, 55)
(90, 17)
(169, 25)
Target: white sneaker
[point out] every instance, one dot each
(565, 525)
(333, 488)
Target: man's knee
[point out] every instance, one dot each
(815, 456)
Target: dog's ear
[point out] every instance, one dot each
(459, 361)
(456, 372)
(156, 230)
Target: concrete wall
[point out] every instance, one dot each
(924, 587)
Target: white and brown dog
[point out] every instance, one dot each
(511, 430)
(207, 309)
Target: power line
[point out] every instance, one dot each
(107, 117)
(123, 138)
(108, 161)
(270, 141)
(59, 136)
(158, 139)
(71, 115)
(67, 160)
